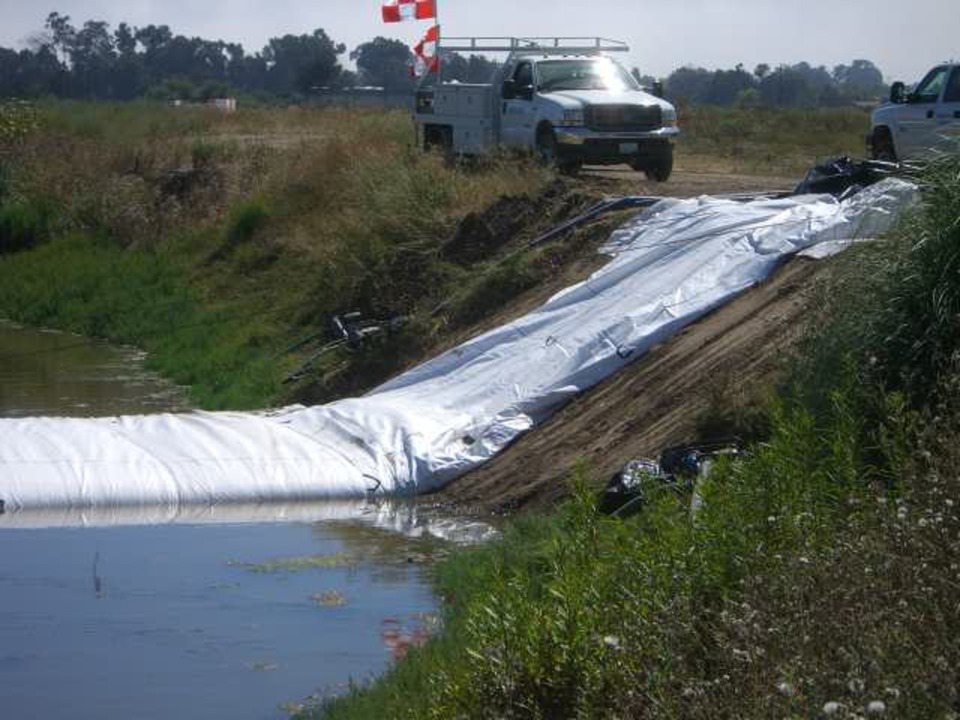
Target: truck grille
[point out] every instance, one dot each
(623, 118)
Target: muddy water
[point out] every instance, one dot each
(54, 373)
(191, 613)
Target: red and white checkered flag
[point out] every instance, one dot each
(426, 52)
(400, 10)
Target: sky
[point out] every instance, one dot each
(903, 38)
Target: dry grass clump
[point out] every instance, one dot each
(768, 141)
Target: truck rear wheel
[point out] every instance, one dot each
(438, 137)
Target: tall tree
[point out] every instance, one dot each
(470, 69)
(860, 79)
(128, 69)
(688, 84)
(92, 58)
(302, 63)
(62, 35)
(384, 63)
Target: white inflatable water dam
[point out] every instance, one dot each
(671, 265)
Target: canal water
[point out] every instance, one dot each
(158, 613)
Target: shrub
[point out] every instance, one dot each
(245, 221)
(23, 226)
(918, 333)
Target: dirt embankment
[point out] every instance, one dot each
(659, 400)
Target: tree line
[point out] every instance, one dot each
(799, 85)
(96, 62)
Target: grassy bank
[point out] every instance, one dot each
(818, 579)
(215, 241)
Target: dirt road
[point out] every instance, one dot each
(686, 181)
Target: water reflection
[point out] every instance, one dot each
(155, 622)
(399, 518)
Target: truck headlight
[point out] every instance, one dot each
(669, 117)
(573, 118)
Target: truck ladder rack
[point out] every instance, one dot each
(538, 45)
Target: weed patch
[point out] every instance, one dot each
(24, 226)
(245, 221)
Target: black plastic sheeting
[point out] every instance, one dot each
(843, 177)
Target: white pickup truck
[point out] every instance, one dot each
(561, 98)
(918, 124)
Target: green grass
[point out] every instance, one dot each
(24, 225)
(90, 286)
(818, 578)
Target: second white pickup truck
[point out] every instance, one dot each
(561, 98)
(921, 123)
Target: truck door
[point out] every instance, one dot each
(917, 122)
(947, 115)
(517, 108)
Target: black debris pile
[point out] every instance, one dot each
(843, 177)
(678, 470)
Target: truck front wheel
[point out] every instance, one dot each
(659, 167)
(547, 146)
(883, 148)
(548, 154)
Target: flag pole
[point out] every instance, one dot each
(436, 20)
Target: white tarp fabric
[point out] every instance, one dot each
(671, 265)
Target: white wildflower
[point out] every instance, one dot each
(877, 707)
(612, 642)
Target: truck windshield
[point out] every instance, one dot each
(599, 74)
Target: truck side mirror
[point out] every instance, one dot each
(526, 92)
(509, 89)
(898, 94)
(657, 89)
